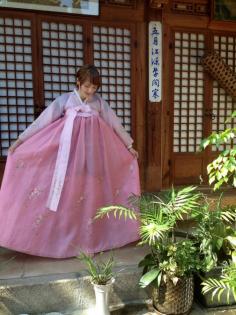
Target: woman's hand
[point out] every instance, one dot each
(15, 145)
(134, 152)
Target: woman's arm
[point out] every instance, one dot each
(49, 115)
(111, 118)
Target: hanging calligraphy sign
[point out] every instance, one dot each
(155, 61)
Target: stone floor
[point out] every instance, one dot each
(14, 265)
(23, 266)
(197, 310)
(17, 266)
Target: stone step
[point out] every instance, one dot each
(148, 310)
(32, 285)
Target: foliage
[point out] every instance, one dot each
(171, 260)
(227, 281)
(157, 215)
(100, 272)
(213, 230)
(173, 254)
(222, 170)
(226, 284)
(117, 211)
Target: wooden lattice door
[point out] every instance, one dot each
(199, 105)
(112, 53)
(61, 53)
(17, 56)
(222, 104)
(39, 56)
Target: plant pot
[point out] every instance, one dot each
(102, 297)
(206, 299)
(170, 299)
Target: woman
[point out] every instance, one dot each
(74, 158)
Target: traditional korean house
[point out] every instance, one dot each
(149, 54)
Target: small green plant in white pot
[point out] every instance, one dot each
(102, 278)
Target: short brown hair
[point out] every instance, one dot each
(90, 73)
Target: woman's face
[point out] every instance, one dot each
(87, 90)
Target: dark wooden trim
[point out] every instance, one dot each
(140, 103)
(208, 94)
(88, 40)
(171, 105)
(38, 75)
(107, 13)
(166, 111)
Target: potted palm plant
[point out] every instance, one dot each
(102, 279)
(219, 286)
(216, 236)
(174, 255)
(222, 287)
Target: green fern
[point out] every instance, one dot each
(178, 203)
(117, 211)
(227, 284)
(229, 214)
(152, 232)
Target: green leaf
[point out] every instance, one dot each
(212, 179)
(232, 240)
(233, 255)
(219, 243)
(209, 168)
(224, 171)
(204, 143)
(233, 114)
(225, 153)
(159, 279)
(117, 209)
(218, 184)
(234, 181)
(148, 277)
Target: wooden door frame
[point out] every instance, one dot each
(210, 28)
(169, 163)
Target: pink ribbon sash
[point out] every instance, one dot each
(64, 151)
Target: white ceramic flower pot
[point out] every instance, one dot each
(102, 297)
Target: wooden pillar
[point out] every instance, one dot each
(154, 125)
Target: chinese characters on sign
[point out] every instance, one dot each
(155, 61)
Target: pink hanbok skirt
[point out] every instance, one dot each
(101, 171)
